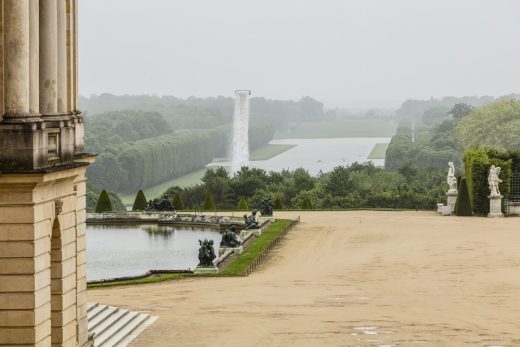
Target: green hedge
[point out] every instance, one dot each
(130, 166)
(477, 162)
(463, 205)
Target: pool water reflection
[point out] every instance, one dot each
(127, 250)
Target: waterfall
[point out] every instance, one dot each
(240, 144)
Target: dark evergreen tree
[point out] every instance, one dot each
(277, 205)
(140, 202)
(103, 204)
(463, 204)
(243, 205)
(209, 204)
(306, 204)
(178, 202)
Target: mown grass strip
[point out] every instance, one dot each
(242, 262)
(151, 279)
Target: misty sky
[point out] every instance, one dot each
(342, 52)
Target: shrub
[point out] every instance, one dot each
(277, 204)
(242, 204)
(306, 204)
(209, 204)
(103, 204)
(463, 205)
(477, 163)
(140, 202)
(178, 202)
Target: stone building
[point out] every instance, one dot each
(42, 177)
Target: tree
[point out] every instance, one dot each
(460, 110)
(306, 204)
(140, 202)
(463, 204)
(178, 202)
(496, 125)
(242, 204)
(277, 205)
(103, 204)
(209, 204)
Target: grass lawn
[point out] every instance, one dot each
(241, 263)
(379, 151)
(236, 268)
(269, 151)
(339, 128)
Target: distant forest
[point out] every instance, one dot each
(145, 140)
(205, 113)
(445, 128)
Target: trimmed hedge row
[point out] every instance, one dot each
(477, 162)
(131, 166)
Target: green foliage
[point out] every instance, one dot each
(463, 204)
(242, 204)
(460, 110)
(116, 127)
(140, 202)
(306, 204)
(93, 195)
(355, 186)
(178, 202)
(131, 165)
(277, 204)
(496, 125)
(477, 163)
(103, 204)
(433, 148)
(209, 204)
(206, 113)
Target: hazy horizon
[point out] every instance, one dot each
(344, 53)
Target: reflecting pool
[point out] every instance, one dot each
(127, 250)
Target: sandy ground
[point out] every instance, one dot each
(352, 279)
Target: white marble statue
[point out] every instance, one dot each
(452, 180)
(493, 180)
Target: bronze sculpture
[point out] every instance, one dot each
(206, 253)
(230, 239)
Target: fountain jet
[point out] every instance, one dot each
(240, 144)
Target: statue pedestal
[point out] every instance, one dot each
(495, 206)
(439, 208)
(446, 210)
(452, 198)
(236, 250)
(203, 270)
(244, 233)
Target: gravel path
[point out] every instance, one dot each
(351, 279)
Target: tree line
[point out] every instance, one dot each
(353, 186)
(129, 166)
(206, 113)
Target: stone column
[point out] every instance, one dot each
(75, 106)
(16, 58)
(34, 57)
(1, 62)
(48, 57)
(62, 57)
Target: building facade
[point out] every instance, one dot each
(42, 177)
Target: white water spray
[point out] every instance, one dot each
(240, 145)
